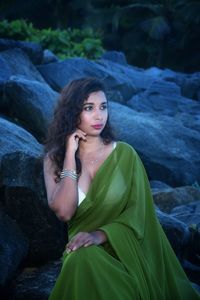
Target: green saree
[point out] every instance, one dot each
(137, 261)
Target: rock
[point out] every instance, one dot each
(32, 103)
(33, 50)
(23, 194)
(49, 57)
(127, 80)
(168, 198)
(112, 74)
(168, 150)
(189, 213)
(157, 185)
(176, 231)
(16, 62)
(189, 83)
(194, 246)
(58, 74)
(193, 272)
(37, 284)
(163, 97)
(115, 56)
(14, 248)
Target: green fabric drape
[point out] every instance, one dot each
(137, 261)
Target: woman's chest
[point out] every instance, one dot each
(86, 177)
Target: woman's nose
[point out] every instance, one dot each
(98, 115)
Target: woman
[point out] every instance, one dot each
(117, 248)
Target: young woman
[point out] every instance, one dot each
(117, 248)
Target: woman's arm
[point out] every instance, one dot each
(63, 196)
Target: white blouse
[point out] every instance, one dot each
(81, 194)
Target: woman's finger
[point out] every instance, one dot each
(82, 239)
(79, 136)
(88, 244)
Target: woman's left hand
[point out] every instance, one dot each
(85, 239)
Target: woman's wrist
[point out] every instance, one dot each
(69, 161)
(99, 236)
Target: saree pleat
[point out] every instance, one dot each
(137, 261)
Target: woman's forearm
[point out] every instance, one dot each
(65, 197)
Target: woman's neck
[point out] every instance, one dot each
(92, 145)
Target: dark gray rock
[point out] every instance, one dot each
(176, 231)
(115, 56)
(168, 150)
(16, 62)
(189, 213)
(168, 199)
(37, 284)
(23, 194)
(163, 97)
(115, 76)
(14, 248)
(33, 50)
(188, 83)
(58, 74)
(49, 57)
(188, 234)
(193, 272)
(32, 103)
(157, 185)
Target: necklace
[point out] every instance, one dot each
(96, 160)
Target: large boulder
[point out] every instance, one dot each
(32, 103)
(49, 57)
(16, 62)
(163, 97)
(115, 56)
(33, 50)
(176, 231)
(168, 198)
(37, 284)
(115, 76)
(167, 148)
(23, 194)
(189, 83)
(188, 213)
(14, 248)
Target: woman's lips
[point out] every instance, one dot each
(97, 126)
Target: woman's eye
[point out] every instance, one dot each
(88, 108)
(103, 107)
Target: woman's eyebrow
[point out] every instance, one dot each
(88, 103)
(92, 103)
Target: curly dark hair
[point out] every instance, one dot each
(67, 117)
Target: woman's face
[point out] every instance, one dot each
(94, 114)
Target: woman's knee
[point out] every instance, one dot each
(81, 255)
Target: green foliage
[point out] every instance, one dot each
(64, 43)
(162, 33)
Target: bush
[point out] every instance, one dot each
(64, 43)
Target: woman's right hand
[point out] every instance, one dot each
(72, 141)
